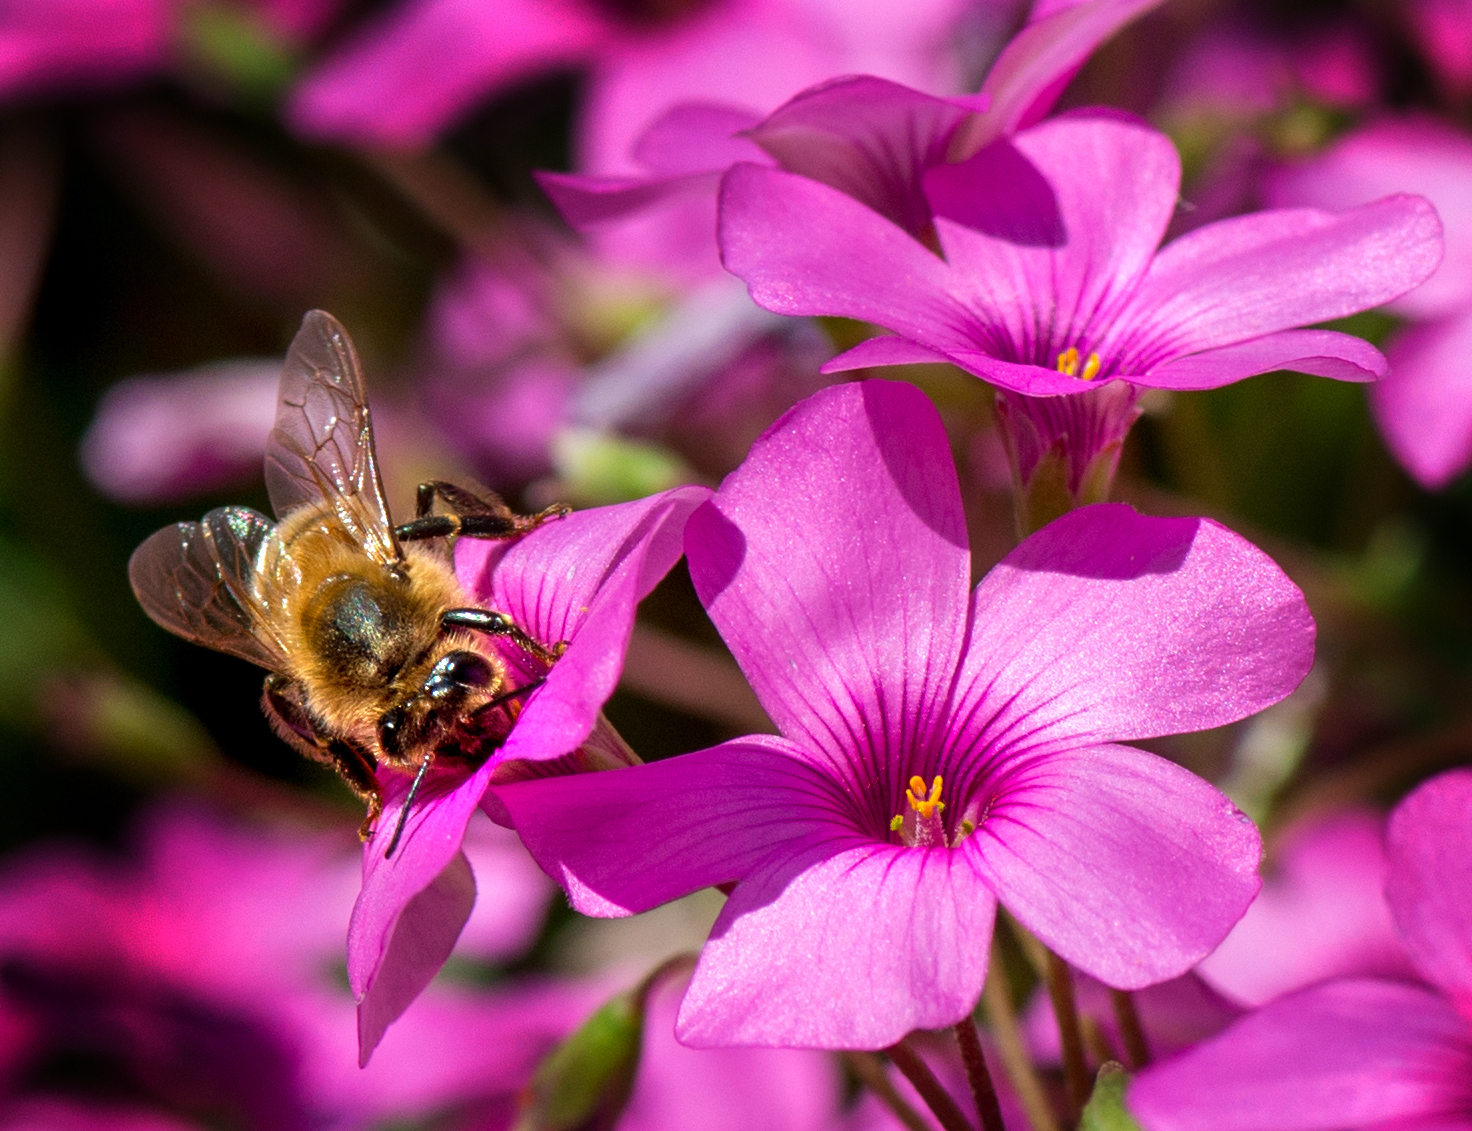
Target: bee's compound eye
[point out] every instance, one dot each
(391, 731)
(464, 668)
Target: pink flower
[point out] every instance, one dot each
(1052, 283)
(1424, 408)
(940, 750)
(1355, 1052)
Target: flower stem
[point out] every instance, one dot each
(1070, 1034)
(870, 1071)
(988, 1110)
(1001, 1018)
(1128, 1017)
(936, 1098)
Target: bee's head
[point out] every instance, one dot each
(459, 683)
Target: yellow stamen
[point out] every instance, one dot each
(919, 802)
(1068, 364)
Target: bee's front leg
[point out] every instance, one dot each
(286, 711)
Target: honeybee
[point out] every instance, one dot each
(377, 657)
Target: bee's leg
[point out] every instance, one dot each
(469, 514)
(499, 624)
(281, 699)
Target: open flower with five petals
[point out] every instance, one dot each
(941, 750)
(1049, 284)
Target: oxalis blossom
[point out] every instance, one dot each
(940, 750)
(572, 586)
(1049, 282)
(1359, 1052)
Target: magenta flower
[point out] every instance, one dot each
(1354, 1052)
(1424, 408)
(867, 136)
(572, 585)
(1051, 282)
(940, 751)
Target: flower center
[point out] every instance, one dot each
(920, 826)
(1068, 364)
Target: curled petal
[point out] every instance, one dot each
(413, 944)
(1321, 352)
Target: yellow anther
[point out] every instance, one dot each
(1068, 364)
(919, 802)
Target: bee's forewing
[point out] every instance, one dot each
(321, 450)
(199, 581)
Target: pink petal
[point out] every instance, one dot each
(1128, 866)
(698, 137)
(577, 580)
(1424, 406)
(1321, 914)
(868, 138)
(1419, 155)
(586, 202)
(834, 562)
(1049, 231)
(414, 944)
(1351, 1053)
(1107, 624)
(626, 840)
(410, 73)
(1322, 352)
(757, 53)
(805, 248)
(1037, 64)
(1240, 279)
(159, 438)
(883, 350)
(846, 950)
(1429, 876)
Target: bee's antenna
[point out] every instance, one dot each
(408, 801)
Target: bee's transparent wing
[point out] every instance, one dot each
(198, 580)
(321, 450)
